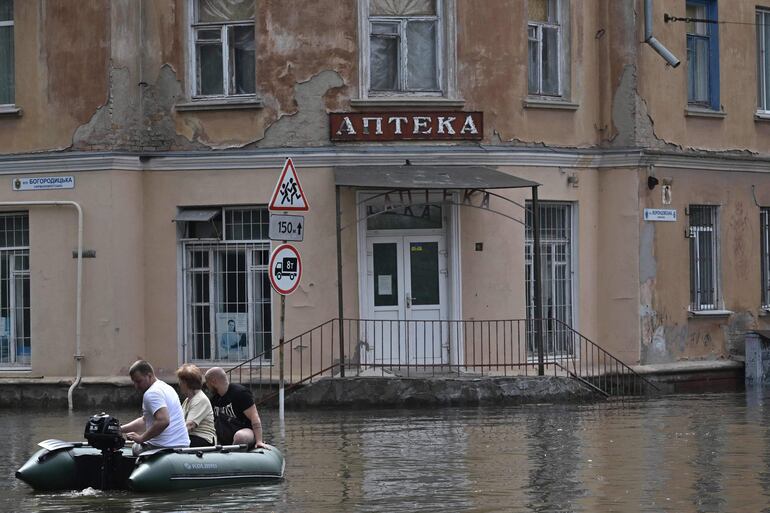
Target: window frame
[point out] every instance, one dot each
(697, 273)
(764, 230)
(712, 37)
(193, 27)
(763, 48)
(561, 23)
(254, 271)
(446, 58)
(11, 23)
(553, 234)
(17, 249)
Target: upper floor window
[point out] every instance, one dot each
(703, 54)
(7, 92)
(544, 47)
(224, 48)
(407, 48)
(404, 45)
(763, 59)
(704, 258)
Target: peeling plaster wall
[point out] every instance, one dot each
(62, 55)
(98, 75)
(665, 89)
(492, 74)
(668, 331)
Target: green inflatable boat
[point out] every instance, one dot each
(104, 462)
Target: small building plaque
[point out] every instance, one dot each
(659, 214)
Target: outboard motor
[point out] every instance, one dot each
(103, 432)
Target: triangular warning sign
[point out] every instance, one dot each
(288, 193)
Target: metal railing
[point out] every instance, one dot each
(438, 348)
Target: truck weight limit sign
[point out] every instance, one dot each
(285, 269)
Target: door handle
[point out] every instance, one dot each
(408, 300)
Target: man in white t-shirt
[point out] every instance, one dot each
(162, 422)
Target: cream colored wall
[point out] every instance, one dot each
(315, 300)
(112, 313)
(606, 277)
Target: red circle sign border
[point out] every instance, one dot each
(270, 269)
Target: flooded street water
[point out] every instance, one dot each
(698, 453)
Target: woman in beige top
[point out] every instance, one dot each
(198, 415)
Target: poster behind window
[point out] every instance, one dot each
(231, 335)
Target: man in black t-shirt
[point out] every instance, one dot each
(235, 414)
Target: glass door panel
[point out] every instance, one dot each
(424, 271)
(386, 287)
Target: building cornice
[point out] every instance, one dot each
(359, 155)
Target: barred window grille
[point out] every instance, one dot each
(227, 290)
(765, 255)
(704, 258)
(556, 269)
(15, 340)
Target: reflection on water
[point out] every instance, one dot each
(694, 454)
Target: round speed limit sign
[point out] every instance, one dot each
(285, 269)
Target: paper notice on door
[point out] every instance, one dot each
(385, 285)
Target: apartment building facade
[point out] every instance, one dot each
(166, 123)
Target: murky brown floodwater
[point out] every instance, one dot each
(706, 453)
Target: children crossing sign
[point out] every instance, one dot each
(288, 193)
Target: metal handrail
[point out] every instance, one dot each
(498, 347)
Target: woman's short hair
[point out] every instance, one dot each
(191, 375)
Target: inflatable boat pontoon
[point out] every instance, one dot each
(104, 462)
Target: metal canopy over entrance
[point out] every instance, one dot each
(427, 177)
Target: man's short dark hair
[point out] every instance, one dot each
(142, 367)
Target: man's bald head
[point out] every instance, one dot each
(216, 380)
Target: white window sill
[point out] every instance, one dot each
(762, 115)
(408, 101)
(10, 110)
(764, 311)
(709, 313)
(539, 102)
(15, 370)
(693, 111)
(219, 104)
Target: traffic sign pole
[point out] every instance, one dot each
(281, 340)
(285, 274)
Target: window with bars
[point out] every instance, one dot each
(702, 54)
(764, 223)
(544, 35)
(404, 46)
(224, 48)
(704, 257)
(228, 311)
(763, 59)
(15, 340)
(556, 271)
(7, 80)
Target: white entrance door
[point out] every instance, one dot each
(407, 289)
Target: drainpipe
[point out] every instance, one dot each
(79, 280)
(656, 45)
